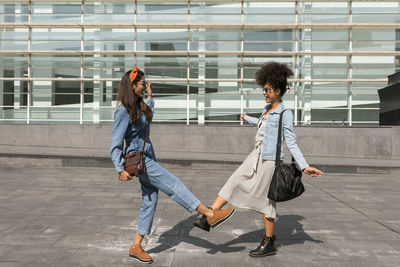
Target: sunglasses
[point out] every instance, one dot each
(268, 90)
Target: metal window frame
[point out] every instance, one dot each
(188, 53)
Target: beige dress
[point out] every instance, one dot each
(248, 186)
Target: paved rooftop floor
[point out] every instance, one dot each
(85, 217)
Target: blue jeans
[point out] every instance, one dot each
(158, 178)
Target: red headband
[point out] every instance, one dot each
(133, 74)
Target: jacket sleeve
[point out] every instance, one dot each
(121, 123)
(251, 120)
(290, 138)
(150, 102)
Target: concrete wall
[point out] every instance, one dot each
(362, 142)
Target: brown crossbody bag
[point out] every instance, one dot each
(134, 162)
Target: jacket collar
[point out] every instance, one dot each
(277, 110)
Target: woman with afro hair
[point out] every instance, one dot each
(248, 186)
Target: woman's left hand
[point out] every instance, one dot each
(148, 90)
(313, 172)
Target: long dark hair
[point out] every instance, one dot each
(130, 100)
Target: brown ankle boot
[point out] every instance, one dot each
(220, 216)
(137, 253)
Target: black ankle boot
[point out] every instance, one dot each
(265, 248)
(202, 223)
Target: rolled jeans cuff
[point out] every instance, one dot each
(194, 206)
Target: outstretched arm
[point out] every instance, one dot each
(149, 100)
(294, 148)
(249, 119)
(121, 122)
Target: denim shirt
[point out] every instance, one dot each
(133, 135)
(271, 134)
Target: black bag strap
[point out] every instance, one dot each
(145, 138)
(279, 143)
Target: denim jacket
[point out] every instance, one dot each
(271, 134)
(133, 135)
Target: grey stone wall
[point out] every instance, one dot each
(362, 142)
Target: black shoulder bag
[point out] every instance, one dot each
(286, 182)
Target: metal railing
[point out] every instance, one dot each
(296, 27)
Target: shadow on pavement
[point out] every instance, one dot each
(287, 226)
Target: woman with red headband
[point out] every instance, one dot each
(132, 125)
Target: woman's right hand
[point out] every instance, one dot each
(242, 115)
(124, 176)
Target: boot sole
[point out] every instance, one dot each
(218, 223)
(134, 257)
(263, 255)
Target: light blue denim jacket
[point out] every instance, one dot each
(133, 134)
(271, 135)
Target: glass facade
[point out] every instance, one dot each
(61, 61)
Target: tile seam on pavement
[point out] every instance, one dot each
(353, 208)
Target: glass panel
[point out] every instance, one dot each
(161, 12)
(269, 12)
(268, 34)
(323, 67)
(277, 7)
(376, 18)
(14, 12)
(310, 34)
(366, 102)
(107, 66)
(55, 93)
(216, 101)
(322, 103)
(251, 64)
(221, 101)
(323, 7)
(167, 112)
(14, 94)
(323, 12)
(56, 39)
(365, 117)
(373, 67)
(215, 12)
(366, 94)
(215, 39)
(108, 39)
(56, 66)
(108, 34)
(215, 7)
(375, 39)
(13, 65)
(15, 115)
(54, 114)
(374, 34)
(215, 67)
(57, 12)
(375, 45)
(324, 18)
(163, 66)
(15, 34)
(106, 12)
(323, 45)
(162, 39)
(271, 18)
(374, 7)
(13, 44)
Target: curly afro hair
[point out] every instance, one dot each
(274, 73)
